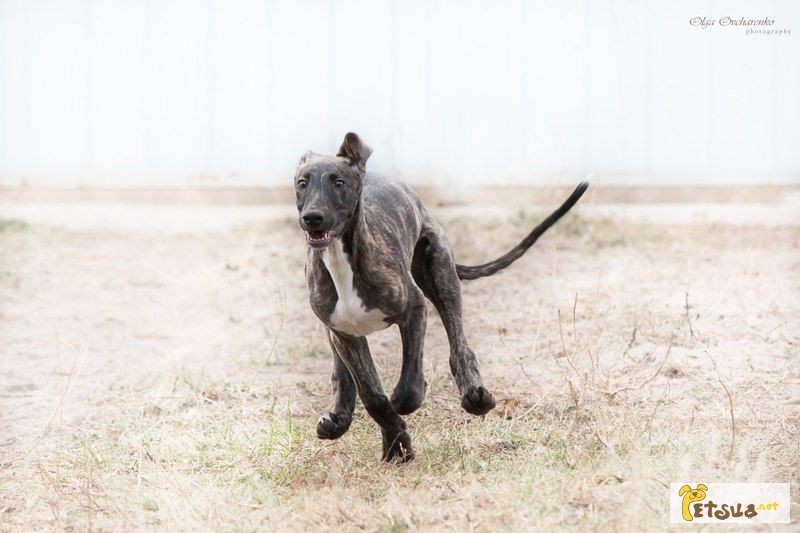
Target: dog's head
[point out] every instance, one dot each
(328, 190)
(692, 495)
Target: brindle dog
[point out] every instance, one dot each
(374, 255)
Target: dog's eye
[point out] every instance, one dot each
(338, 182)
(302, 184)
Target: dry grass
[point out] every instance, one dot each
(12, 224)
(180, 389)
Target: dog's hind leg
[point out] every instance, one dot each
(434, 270)
(354, 352)
(409, 393)
(337, 421)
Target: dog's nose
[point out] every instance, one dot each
(313, 219)
(694, 495)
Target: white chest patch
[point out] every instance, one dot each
(350, 315)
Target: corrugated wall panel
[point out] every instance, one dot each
(185, 93)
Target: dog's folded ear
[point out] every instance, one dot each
(684, 490)
(354, 149)
(305, 157)
(701, 487)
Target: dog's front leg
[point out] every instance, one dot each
(409, 393)
(337, 421)
(354, 352)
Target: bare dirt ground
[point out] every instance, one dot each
(160, 368)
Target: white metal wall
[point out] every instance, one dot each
(103, 93)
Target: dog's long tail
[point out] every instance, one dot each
(487, 269)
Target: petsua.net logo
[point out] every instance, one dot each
(729, 503)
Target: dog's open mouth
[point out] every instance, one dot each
(319, 238)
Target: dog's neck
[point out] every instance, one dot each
(356, 237)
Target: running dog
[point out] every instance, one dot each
(374, 255)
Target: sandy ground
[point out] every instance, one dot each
(132, 334)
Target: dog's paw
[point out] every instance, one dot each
(332, 426)
(406, 400)
(397, 449)
(477, 401)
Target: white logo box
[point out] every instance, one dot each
(770, 501)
